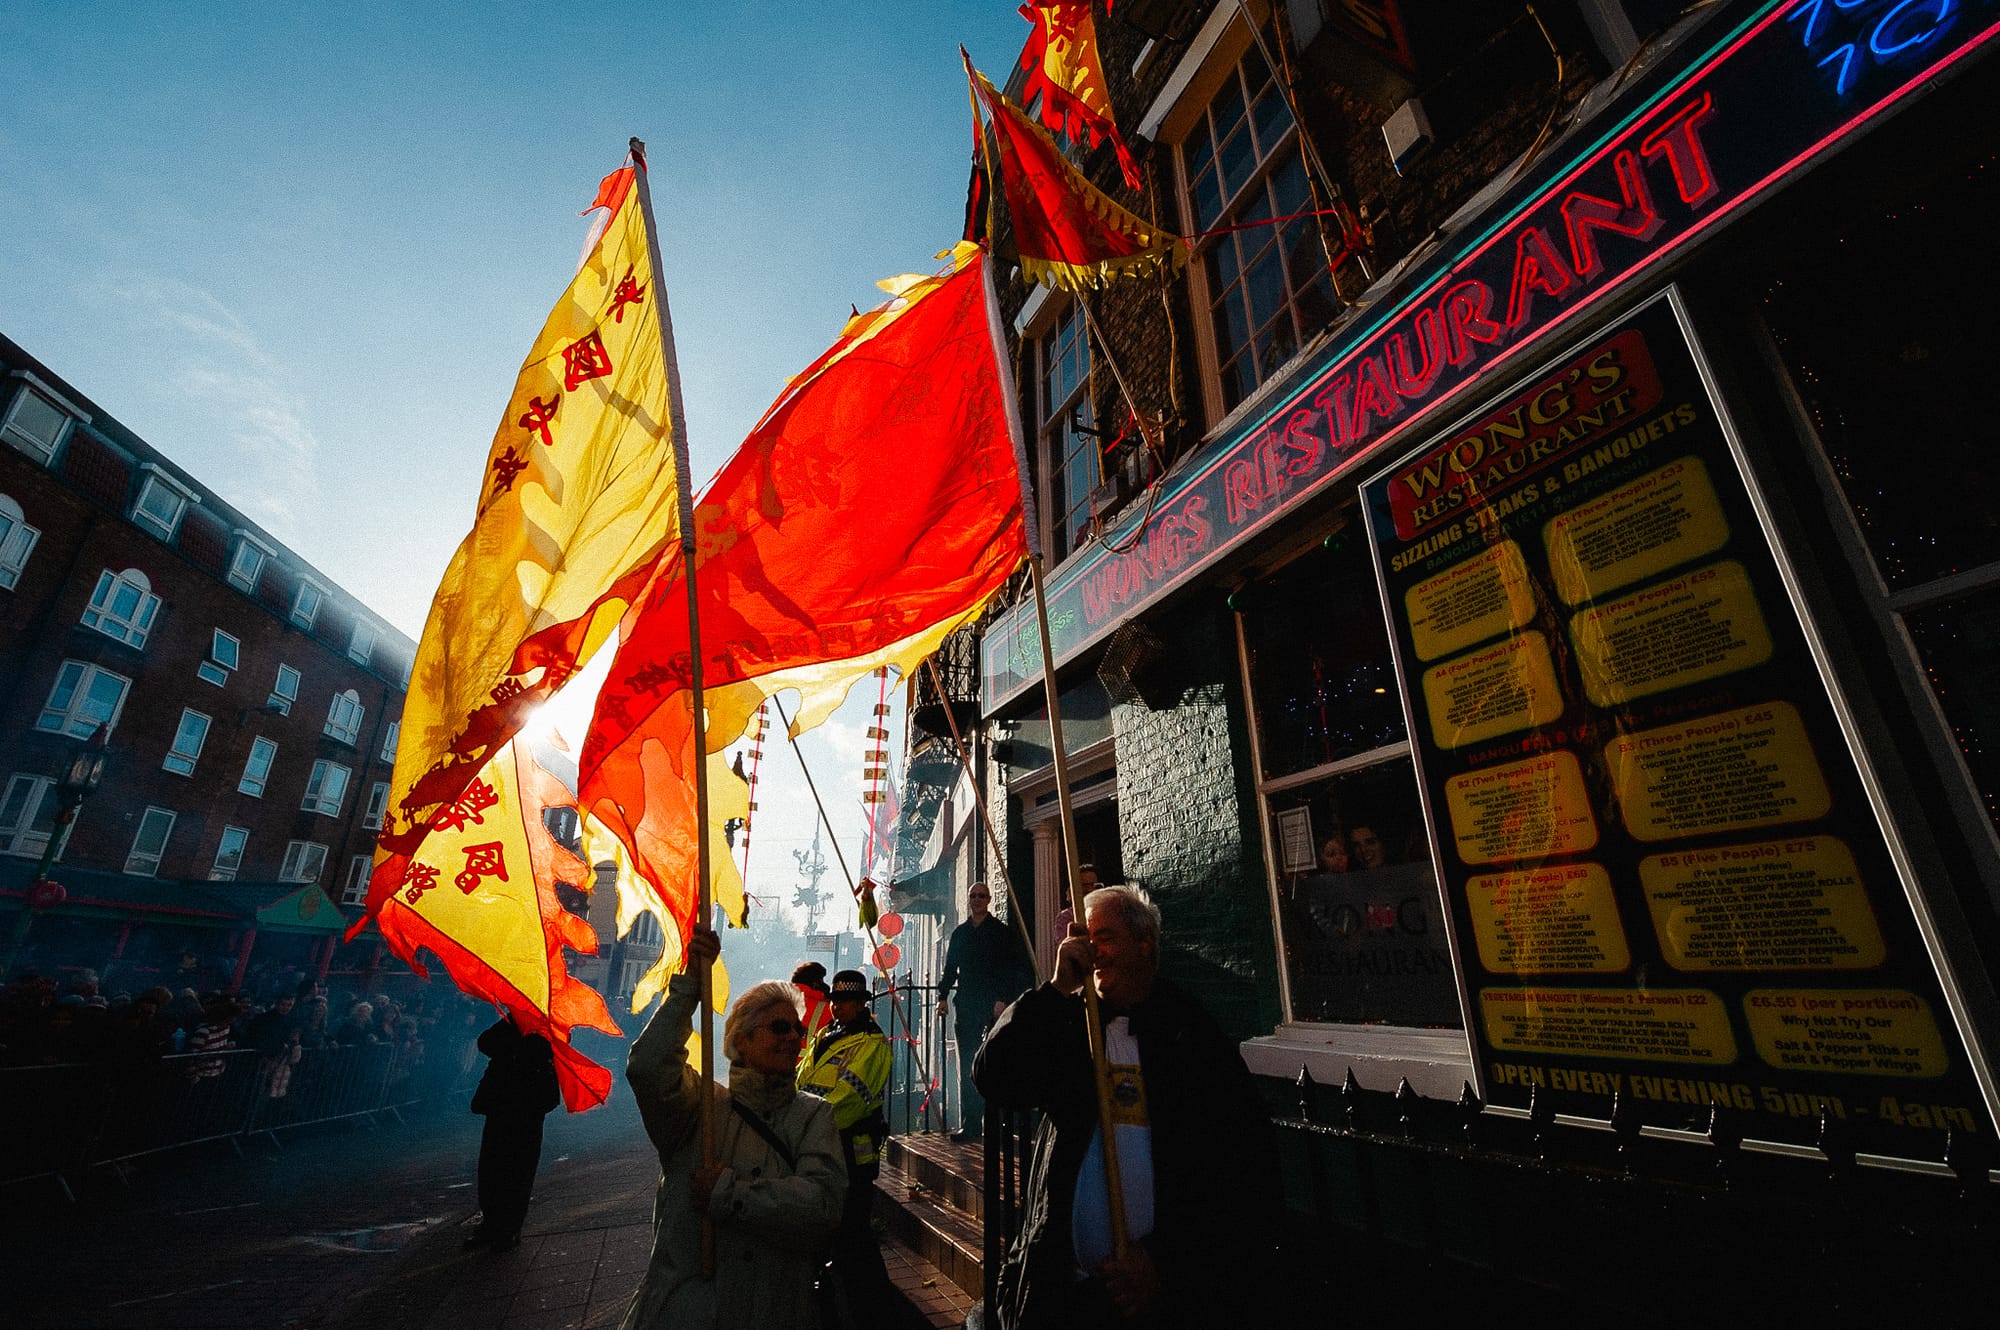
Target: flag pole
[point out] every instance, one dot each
(704, 891)
(1113, 1182)
(979, 802)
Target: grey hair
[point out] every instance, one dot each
(1141, 915)
(754, 1002)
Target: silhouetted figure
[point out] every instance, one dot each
(516, 1093)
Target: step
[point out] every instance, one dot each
(955, 1171)
(934, 1297)
(928, 1224)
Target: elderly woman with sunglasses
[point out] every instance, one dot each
(775, 1190)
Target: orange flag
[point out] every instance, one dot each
(1069, 233)
(875, 508)
(1064, 71)
(576, 500)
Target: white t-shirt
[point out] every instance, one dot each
(1090, 1209)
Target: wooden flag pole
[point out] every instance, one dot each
(1114, 1183)
(979, 802)
(705, 890)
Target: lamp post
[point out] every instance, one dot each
(78, 781)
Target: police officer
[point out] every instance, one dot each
(847, 1064)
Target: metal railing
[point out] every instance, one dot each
(59, 1120)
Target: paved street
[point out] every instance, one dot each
(352, 1229)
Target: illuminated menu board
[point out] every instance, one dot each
(1664, 878)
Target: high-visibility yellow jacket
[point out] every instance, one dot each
(848, 1066)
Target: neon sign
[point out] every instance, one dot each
(1701, 143)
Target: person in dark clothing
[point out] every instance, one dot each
(989, 967)
(1195, 1154)
(516, 1093)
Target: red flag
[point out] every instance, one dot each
(1069, 233)
(1064, 71)
(874, 509)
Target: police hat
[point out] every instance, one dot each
(851, 984)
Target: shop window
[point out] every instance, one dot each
(285, 691)
(188, 739)
(1068, 452)
(34, 424)
(305, 860)
(229, 854)
(149, 843)
(326, 789)
(122, 607)
(1360, 923)
(17, 541)
(1265, 289)
(28, 815)
(1897, 403)
(343, 717)
(84, 697)
(257, 767)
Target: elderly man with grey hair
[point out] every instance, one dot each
(775, 1190)
(1196, 1161)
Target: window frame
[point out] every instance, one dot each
(11, 431)
(218, 871)
(378, 806)
(317, 798)
(1060, 327)
(135, 856)
(297, 852)
(100, 614)
(247, 581)
(339, 733)
(355, 890)
(158, 480)
(17, 542)
(176, 755)
(389, 739)
(70, 714)
(361, 645)
(215, 669)
(262, 780)
(20, 838)
(281, 699)
(303, 615)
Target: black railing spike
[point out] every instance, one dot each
(1308, 1089)
(1835, 1145)
(1541, 1121)
(1350, 1101)
(1469, 1109)
(1625, 1125)
(1406, 1107)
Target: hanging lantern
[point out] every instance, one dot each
(887, 955)
(889, 924)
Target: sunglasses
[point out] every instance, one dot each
(782, 1027)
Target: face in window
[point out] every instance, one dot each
(1366, 845)
(1333, 855)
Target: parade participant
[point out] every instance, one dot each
(1194, 1152)
(774, 1191)
(987, 964)
(847, 1064)
(518, 1090)
(810, 977)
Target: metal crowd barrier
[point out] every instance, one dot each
(58, 1120)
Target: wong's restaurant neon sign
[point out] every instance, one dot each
(1777, 90)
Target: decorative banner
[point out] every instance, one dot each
(1067, 78)
(1664, 879)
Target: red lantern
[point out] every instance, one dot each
(887, 955)
(46, 895)
(889, 925)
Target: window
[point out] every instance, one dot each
(305, 605)
(378, 804)
(1069, 454)
(247, 564)
(34, 422)
(28, 815)
(362, 644)
(149, 843)
(223, 653)
(17, 540)
(304, 861)
(326, 789)
(122, 607)
(229, 855)
(162, 500)
(84, 698)
(285, 691)
(389, 741)
(187, 743)
(1266, 289)
(356, 890)
(343, 718)
(1360, 918)
(257, 767)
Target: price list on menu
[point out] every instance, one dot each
(1664, 879)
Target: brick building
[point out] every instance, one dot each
(248, 705)
(1364, 640)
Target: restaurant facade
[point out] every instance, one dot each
(1543, 670)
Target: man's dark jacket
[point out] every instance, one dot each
(1215, 1186)
(520, 1079)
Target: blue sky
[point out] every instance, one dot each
(303, 248)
